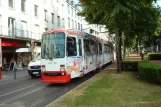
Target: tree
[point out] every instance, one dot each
(121, 16)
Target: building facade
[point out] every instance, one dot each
(22, 23)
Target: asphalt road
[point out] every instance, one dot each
(31, 92)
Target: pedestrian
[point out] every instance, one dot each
(142, 54)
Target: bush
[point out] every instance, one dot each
(149, 72)
(129, 66)
(154, 56)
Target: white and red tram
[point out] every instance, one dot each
(67, 54)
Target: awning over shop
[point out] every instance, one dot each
(23, 50)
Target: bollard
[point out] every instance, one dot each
(14, 74)
(0, 73)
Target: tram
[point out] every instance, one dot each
(69, 53)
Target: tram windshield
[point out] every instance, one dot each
(53, 46)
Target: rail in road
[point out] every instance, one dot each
(31, 92)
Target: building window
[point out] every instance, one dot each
(37, 32)
(58, 5)
(46, 29)
(24, 29)
(23, 5)
(81, 27)
(68, 22)
(78, 26)
(52, 3)
(52, 18)
(58, 20)
(63, 22)
(100, 29)
(10, 3)
(62, 7)
(45, 13)
(75, 14)
(72, 11)
(11, 26)
(75, 25)
(36, 10)
(72, 24)
(68, 9)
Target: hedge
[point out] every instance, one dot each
(154, 56)
(129, 66)
(149, 72)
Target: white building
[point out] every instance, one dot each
(30, 18)
(22, 21)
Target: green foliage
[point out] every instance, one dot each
(150, 72)
(133, 18)
(154, 56)
(136, 18)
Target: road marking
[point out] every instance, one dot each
(49, 105)
(4, 76)
(12, 81)
(21, 95)
(16, 91)
(36, 102)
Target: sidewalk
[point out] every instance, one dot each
(9, 75)
(135, 57)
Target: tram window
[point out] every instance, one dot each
(107, 48)
(80, 47)
(100, 48)
(71, 46)
(96, 48)
(92, 47)
(86, 47)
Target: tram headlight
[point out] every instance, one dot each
(43, 68)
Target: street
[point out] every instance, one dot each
(31, 92)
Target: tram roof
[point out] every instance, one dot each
(77, 32)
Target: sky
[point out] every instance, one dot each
(76, 1)
(159, 2)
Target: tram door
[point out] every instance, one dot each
(80, 55)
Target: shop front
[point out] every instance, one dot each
(15, 50)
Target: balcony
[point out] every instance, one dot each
(13, 33)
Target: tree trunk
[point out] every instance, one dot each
(118, 54)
